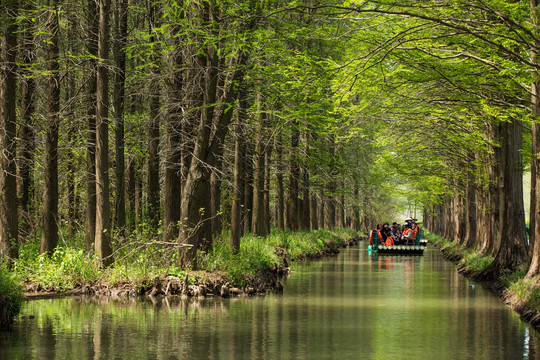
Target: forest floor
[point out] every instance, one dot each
(520, 295)
(201, 283)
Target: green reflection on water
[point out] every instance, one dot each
(348, 307)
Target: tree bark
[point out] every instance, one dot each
(173, 156)
(510, 246)
(27, 133)
(92, 47)
(534, 225)
(9, 221)
(238, 179)
(49, 224)
(292, 215)
(121, 15)
(102, 243)
(280, 193)
(258, 226)
(154, 134)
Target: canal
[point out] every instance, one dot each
(352, 306)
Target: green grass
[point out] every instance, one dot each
(11, 295)
(471, 259)
(139, 260)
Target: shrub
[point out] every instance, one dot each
(11, 296)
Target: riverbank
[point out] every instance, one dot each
(521, 295)
(258, 267)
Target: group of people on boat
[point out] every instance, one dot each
(396, 234)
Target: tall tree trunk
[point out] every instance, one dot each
(27, 132)
(102, 243)
(510, 246)
(257, 227)
(471, 206)
(248, 188)
(280, 193)
(173, 156)
(238, 182)
(120, 43)
(215, 195)
(292, 216)
(9, 221)
(305, 221)
(534, 225)
(314, 215)
(153, 141)
(72, 157)
(92, 47)
(266, 200)
(49, 225)
(132, 194)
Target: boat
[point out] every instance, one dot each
(397, 249)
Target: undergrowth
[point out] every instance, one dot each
(139, 259)
(11, 295)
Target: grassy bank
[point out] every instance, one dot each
(11, 296)
(522, 295)
(140, 261)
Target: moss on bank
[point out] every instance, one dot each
(521, 294)
(146, 266)
(11, 296)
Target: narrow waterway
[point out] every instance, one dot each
(352, 306)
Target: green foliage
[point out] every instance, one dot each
(11, 293)
(64, 269)
(258, 253)
(474, 261)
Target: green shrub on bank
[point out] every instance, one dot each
(471, 259)
(64, 269)
(138, 260)
(11, 296)
(258, 253)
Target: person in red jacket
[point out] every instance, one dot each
(408, 234)
(377, 234)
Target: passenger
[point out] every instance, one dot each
(378, 234)
(417, 230)
(396, 233)
(386, 234)
(408, 234)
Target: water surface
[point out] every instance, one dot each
(352, 306)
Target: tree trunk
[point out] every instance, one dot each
(131, 194)
(9, 221)
(173, 157)
(27, 132)
(49, 225)
(510, 246)
(238, 182)
(258, 226)
(534, 225)
(266, 200)
(92, 47)
(470, 206)
(292, 216)
(153, 140)
(120, 43)
(280, 193)
(314, 218)
(103, 212)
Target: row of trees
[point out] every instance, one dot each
(222, 114)
(461, 80)
(253, 114)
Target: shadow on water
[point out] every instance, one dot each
(351, 306)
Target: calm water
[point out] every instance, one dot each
(353, 306)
